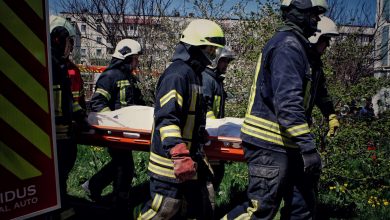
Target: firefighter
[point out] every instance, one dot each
(279, 149)
(61, 34)
(213, 88)
(177, 167)
(215, 96)
(117, 87)
(320, 97)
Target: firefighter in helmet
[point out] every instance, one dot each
(62, 33)
(117, 87)
(215, 96)
(320, 41)
(279, 149)
(177, 169)
(317, 95)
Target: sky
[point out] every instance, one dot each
(358, 12)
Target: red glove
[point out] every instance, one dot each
(183, 166)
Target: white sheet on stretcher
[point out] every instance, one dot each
(141, 117)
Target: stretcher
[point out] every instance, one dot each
(138, 138)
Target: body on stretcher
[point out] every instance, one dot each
(130, 128)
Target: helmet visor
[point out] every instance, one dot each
(217, 40)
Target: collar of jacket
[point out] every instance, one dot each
(119, 65)
(191, 55)
(290, 26)
(215, 74)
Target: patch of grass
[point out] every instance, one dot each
(90, 159)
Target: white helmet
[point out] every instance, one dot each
(326, 27)
(127, 47)
(57, 21)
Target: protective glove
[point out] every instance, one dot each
(312, 162)
(333, 125)
(183, 165)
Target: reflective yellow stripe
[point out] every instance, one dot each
(211, 115)
(57, 96)
(189, 127)
(62, 128)
(173, 94)
(267, 136)
(122, 84)
(156, 203)
(244, 216)
(190, 122)
(170, 131)
(77, 108)
(161, 160)
(14, 163)
(307, 95)
(249, 212)
(263, 123)
(194, 96)
(216, 104)
(298, 130)
(76, 95)
(106, 109)
(253, 87)
(103, 93)
(161, 171)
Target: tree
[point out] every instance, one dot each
(361, 46)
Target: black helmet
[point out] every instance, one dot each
(300, 12)
(319, 5)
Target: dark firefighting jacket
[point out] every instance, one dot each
(214, 93)
(276, 117)
(179, 115)
(63, 99)
(116, 88)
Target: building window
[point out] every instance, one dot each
(83, 52)
(99, 40)
(83, 28)
(98, 52)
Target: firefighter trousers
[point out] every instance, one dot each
(188, 200)
(119, 171)
(273, 175)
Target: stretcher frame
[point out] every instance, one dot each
(217, 147)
